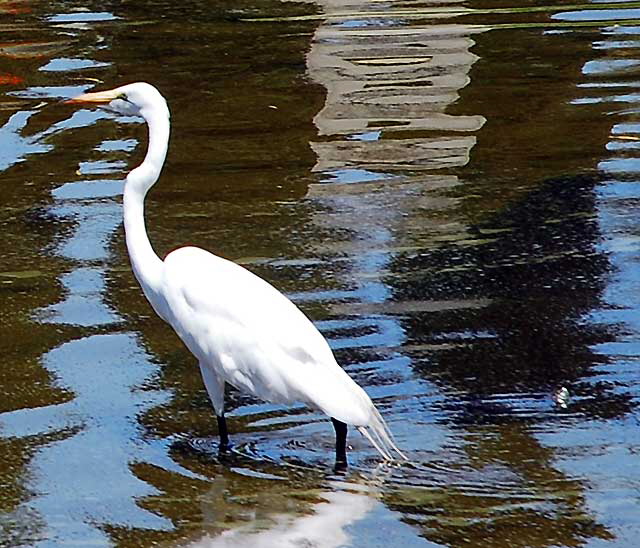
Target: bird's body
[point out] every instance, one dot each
(248, 334)
(240, 328)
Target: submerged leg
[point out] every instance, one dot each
(223, 433)
(215, 388)
(341, 443)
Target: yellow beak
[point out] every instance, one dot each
(99, 97)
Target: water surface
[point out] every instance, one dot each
(449, 194)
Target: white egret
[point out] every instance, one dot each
(240, 328)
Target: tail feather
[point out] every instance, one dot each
(385, 455)
(378, 433)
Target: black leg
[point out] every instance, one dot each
(223, 432)
(341, 443)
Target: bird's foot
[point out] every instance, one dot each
(225, 447)
(340, 466)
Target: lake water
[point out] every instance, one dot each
(448, 189)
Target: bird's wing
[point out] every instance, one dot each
(254, 336)
(224, 291)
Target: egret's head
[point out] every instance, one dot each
(139, 99)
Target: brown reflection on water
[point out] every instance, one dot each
(28, 276)
(385, 125)
(502, 490)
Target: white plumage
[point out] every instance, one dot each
(241, 329)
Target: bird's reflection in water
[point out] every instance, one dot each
(325, 527)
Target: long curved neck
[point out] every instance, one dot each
(147, 266)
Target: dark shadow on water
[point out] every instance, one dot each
(538, 266)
